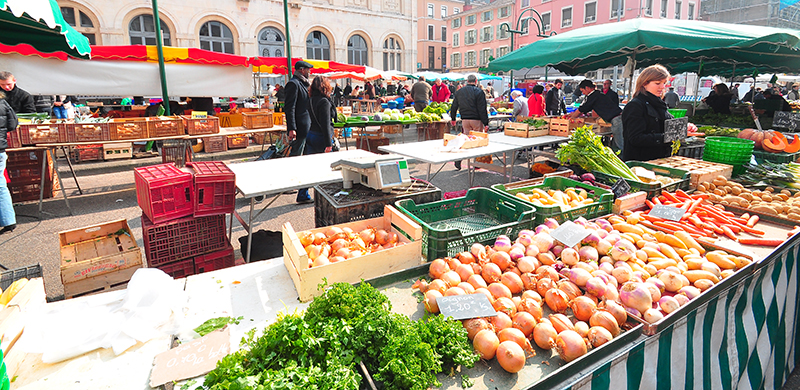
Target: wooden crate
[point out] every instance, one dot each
(200, 126)
(117, 151)
(699, 170)
(306, 279)
(392, 129)
(257, 120)
(230, 120)
(564, 127)
(238, 141)
(347, 111)
(483, 140)
(93, 251)
(264, 138)
(164, 126)
(124, 129)
(215, 144)
(117, 280)
(524, 130)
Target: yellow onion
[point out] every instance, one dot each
(583, 308)
(486, 343)
(437, 268)
(582, 328)
(560, 322)
(570, 345)
(544, 335)
(524, 321)
(556, 300)
(616, 310)
(500, 321)
(606, 320)
(505, 305)
(510, 356)
(516, 335)
(430, 301)
(531, 306)
(512, 281)
(598, 336)
(475, 325)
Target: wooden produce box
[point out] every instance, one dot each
(699, 170)
(230, 120)
(118, 151)
(306, 279)
(98, 258)
(257, 120)
(392, 129)
(164, 126)
(564, 127)
(215, 144)
(238, 141)
(517, 129)
(482, 140)
(123, 129)
(278, 118)
(200, 126)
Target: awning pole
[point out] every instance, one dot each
(288, 41)
(697, 87)
(160, 49)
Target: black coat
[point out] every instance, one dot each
(643, 128)
(20, 100)
(471, 102)
(296, 107)
(322, 120)
(8, 123)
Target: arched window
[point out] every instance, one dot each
(271, 42)
(391, 54)
(143, 31)
(357, 50)
(82, 21)
(216, 36)
(318, 47)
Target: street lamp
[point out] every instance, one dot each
(540, 30)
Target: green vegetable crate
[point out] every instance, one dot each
(652, 189)
(761, 156)
(603, 199)
(451, 226)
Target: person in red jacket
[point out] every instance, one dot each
(441, 92)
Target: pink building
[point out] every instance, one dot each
(433, 33)
(476, 34)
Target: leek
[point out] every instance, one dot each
(586, 149)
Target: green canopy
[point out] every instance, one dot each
(39, 23)
(661, 41)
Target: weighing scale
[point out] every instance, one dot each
(378, 172)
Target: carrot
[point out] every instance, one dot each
(761, 241)
(752, 221)
(656, 201)
(649, 204)
(682, 194)
(699, 196)
(694, 206)
(745, 216)
(735, 229)
(651, 218)
(670, 197)
(728, 232)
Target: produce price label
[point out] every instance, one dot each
(675, 129)
(787, 120)
(667, 212)
(569, 234)
(620, 188)
(462, 307)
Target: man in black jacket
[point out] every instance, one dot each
(554, 101)
(471, 102)
(298, 119)
(19, 99)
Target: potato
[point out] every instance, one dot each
(735, 190)
(769, 189)
(781, 196)
(766, 198)
(701, 188)
(711, 186)
(764, 209)
(720, 192)
(786, 192)
(720, 181)
(794, 216)
(746, 196)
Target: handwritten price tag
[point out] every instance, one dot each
(569, 234)
(192, 358)
(667, 212)
(620, 188)
(461, 307)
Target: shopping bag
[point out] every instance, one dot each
(281, 148)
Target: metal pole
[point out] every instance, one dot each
(288, 40)
(697, 87)
(160, 49)
(619, 16)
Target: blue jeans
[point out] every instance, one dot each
(60, 112)
(7, 216)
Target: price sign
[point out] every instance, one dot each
(569, 234)
(675, 129)
(620, 188)
(787, 120)
(199, 115)
(461, 307)
(667, 212)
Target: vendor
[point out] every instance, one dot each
(719, 99)
(769, 94)
(605, 108)
(643, 117)
(520, 104)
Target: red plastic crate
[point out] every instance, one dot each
(13, 139)
(214, 261)
(88, 132)
(164, 192)
(183, 238)
(214, 188)
(42, 133)
(178, 269)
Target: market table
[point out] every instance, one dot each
(527, 143)
(276, 176)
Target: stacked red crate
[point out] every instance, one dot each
(214, 187)
(164, 192)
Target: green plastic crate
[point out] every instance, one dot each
(451, 226)
(603, 200)
(677, 112)
(652, 189)
(761, 155)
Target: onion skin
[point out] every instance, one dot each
(451, 278)
(606, 320)
(475, 325)
(570, 345)
(437, 268)
(464, 271)
(499, 290)
(569, 288)
(532, 307)
(524, 321)
(556, 300)
(560, 322)
(486, 344)
(476, 281)
(546, 271)
(583, 308)
(598, 336)
(465, 258)
(478, 251)
(512, 281)
(430, 301)
(531, 294)
(505, 305)
(510, 356)
(616, 310)
(528, 282)
(544, 335)
(500, 321)
(516, 335)
(491, 273)
(545, 285)
(452, 291)
(438, 285)
(502, 259)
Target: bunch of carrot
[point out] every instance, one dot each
(704, 219)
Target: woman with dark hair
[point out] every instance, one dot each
(643, 118)
(320, 136)
(720, 99)
(536, 101)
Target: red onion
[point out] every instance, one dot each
(596, 286)
(637, 296)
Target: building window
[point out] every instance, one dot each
(431, 58)
(617, 8)
(456, 62)
(82, 22)
(430, 32)
(271, 42)
(456, 23)
(525, 26)
(546, 21)
(485, 54)
(444, 34)
(502, 33)
(142, 30)
(690, 11)
(566, 17)
(444, 11)
(471, 37)
(501, 51)
(648, 8)
(471, 19)
(469, 59)
(455, 39)
(317, 46)
(444, 57)
(677, 10)
(525, 3)
(664, 4)
(216, 36)
(391, 54)
(486, 34)
(486, 16)
(590, 12)
(357, 50)
(455, 10)
(430, 10)
(503, 12)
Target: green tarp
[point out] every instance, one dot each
(39, 23)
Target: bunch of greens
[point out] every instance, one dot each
(780, 175)
(321, 348)
(437, 108)
(586, 149)
(532, 122)
(720, 120)
(716, 131)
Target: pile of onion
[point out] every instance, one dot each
(334, 244)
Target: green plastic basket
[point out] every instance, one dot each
(677, 112)
(652, 189)
(761, 156)
(601, 206)
(729, 150)
(451, 226)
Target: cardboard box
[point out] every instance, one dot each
(306, 279)
(482, 140)
(117, 151)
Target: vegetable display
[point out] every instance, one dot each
(337, 244)
(568, 199)
(437, 108)
(781, 203)
(322, 347)
(586, 149)
(533, 122)
(774, 174)
(771, 141)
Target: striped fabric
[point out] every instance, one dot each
(744, 339)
